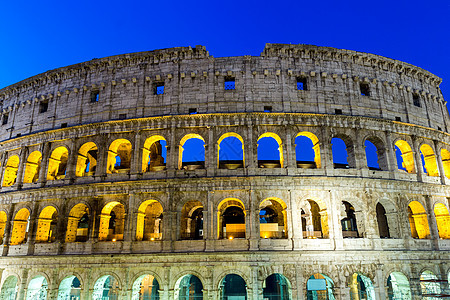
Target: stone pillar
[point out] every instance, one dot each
(254, 292)
(359, 152)
(417, 159)
(252, 221)
(301, 284)
(326, 151)
(335, 220)
(434, 234)
(102, 155)
(295, 228)
(171, 158)
(21, 294)
(22, 166)
(32, 229)
(211, 148)
(290, 159)
(380, 291)
(439, 162)
(136, 159)
(72, 161)
(251, 152)
(8, 230)
(210, 224)
(44, 162)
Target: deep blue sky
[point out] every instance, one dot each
(37, 36)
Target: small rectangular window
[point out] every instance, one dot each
(95, 96)
(268, 109)
(230, 83)
(159, 88)
(301, 84)
(5, 119)
(365, 89)
(122, 116)
(338, 111)
(18, 135)
(416, 100)
(43, 106)
(192, 111)
(439, 128)
(398, 119)
(63, 125)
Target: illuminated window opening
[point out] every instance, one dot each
(191, 225)
(32, 167)
(112, 222)
(398, 286)
(272, 219)
(270, 151)
(57, 164)
(348, 221)
(69, 288)
(154, 154)
(307, 151)
(37, 289)
(87, 160)
(361, 287)
(418, 221)
(230, 151)
(276, 286)
(149, 221)
(106, 287)
(119, 157)
(10, 173)
(191, 152)
(319, 286)
(405, 156)
(315, 220)
(443, 221)
(78, 224)
(145, 287)
(233, 286)
(231, 216)
(188, 287)
(429, 160)
(46, 225)
(20, 228)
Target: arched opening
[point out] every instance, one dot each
(232, 287)
(106, 288)
(57, 164)
(154, 154)
(149, 221)
(405, 156)
(231, 216)
(32, 167)
(87, 160)
(191, 225)
(429, 160)
(78, 224)
(189, 287)
(112, 222)
(375, 154)
(319, 287)
(276, 287)
(9, 288)
(307, 151)
(442, 220)
(445, 155)
(398, 286)
(37, 288)
(270, 151)
(46, 225)
(119, 157)
(191, 152)
(20, 227)
(361, 287)
(69, 288)
(230, 151)
(342, 149)
(383, 228)
(315, 220)
(10, 174)
(429, 285)
(272, 219)
(145, 287)
(418, 221)
(3, 219)
(348, 221)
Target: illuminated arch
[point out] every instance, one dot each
(119, 156)
(10, 174)
(145, 287)
(348, 221)
(87, 159)
(240, 139)
(69, 288)
(280, 147)
(418, 221)
(319, 286)
(277, 286)
(3, 219)
(380, 153)
(445, 155)
(149, 221)
(407, 156)
(429, 285)
(233, 285)
(361, 287)
(32, 167)
(10, 288)
(152, 154)
(429, 160)
(112, 222)
(188, 287)
(37, 288)
(19, 233)
(315, 147)
(105, 288)
(78, 224)
(442, 220)
(57, 163)
(315, 220)
(46, 225)
(272, 218)
(181, 150)
(191, 222)
(398, 286)
(231, 219)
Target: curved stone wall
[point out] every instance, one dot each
(98, 177)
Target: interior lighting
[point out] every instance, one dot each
(114, 240)
(152, 239)
(230, 238)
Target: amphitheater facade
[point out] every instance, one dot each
(173, 174)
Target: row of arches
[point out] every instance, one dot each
(231, 286)
(231, 221)
(230, 155)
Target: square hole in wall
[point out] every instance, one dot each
(364, 88)
(416, 100)
(230, 83)
(18, 135)
(43, 106)
(5, 119)
(192, 111)
(122, 116)
(267, 109)
(158, 88)
(398, 119)
(301, 84)
(338, 111)
(95, 96)
(63, 125)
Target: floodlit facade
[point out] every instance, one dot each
(303, 173)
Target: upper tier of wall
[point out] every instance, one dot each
(194, 80)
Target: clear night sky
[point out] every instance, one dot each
(37, 36)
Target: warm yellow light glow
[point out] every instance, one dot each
(152, 239)
(230, 238)
(113, 240)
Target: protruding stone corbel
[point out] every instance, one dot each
(134, 79)
(290, 72)
(58, 93)
(266, 72)
(324, 74)
(114, 83)
(158, 77)
(124, 81)
(217, 73)
(230, 73)
(193, 74)
(278, 72)
(75, 90)
(205, 74)
(147, 78)
(312, 74)
(85, 88)
(183, 75)
(169, 76)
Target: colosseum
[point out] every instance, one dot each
(303, 173)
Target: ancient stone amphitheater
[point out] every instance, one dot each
(304, 173)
